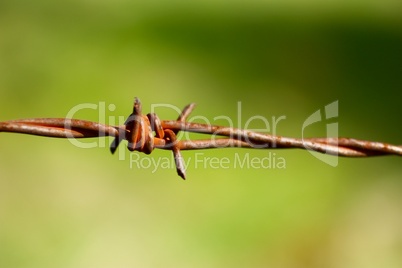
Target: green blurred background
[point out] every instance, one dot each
(64, 206)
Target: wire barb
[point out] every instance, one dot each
(139, 131)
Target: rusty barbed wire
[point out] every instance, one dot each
(145, 133)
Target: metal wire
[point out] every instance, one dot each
(139, 131)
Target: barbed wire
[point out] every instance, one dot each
(145, 133)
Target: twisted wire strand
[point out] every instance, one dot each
(144, 133)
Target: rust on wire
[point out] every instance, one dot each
(144, 133)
